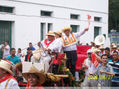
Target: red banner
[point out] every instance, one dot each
(82, 55)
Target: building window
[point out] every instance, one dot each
(46, 13)
(74, 28)
(97, 31)
(74, 16)
(49, 27)
(6, 9)
(98, 19)
(42, 32)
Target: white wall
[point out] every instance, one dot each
(27, 18)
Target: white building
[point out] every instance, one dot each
(24, 21)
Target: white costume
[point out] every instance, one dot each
(9, 84)
(45, 57)
(71, 43)
(91, 69)
(58, 45)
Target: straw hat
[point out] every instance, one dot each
(6, 65)
(101, 47)
(96, 50)
(114, 46)
(58, 32)
(99, 40)
(89, 51)
(50, 33)
(19, 66)
(35, 71)
(67, 28)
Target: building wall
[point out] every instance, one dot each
(26, 18)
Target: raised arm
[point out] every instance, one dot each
(78, 34)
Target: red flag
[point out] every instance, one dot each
(94, 60)
(89, 17)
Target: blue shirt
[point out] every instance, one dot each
(103, 78)
(115, 66)
(14, 59)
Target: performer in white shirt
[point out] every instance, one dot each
(47, 45)
(7, 81)
(69, 42)
(6, 50)
(58, 42)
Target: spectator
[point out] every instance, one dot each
(13, 58)
(115, 65)
(104, 72)
(19, 54)
(107, 52)
(6, 49)
(90, 70)
(29, 55)
(31, 46)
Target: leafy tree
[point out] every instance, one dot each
(114, 15)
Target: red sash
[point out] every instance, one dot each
(7, 77)
(29, 55)
(46, 43)
(94, 60)
(38, 86)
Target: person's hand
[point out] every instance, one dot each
(39, 43)
(102, 71)
(86, 29)
(91, 73)
(45, 49)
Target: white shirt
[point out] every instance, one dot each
(6, 51)
(73, 47)
(12, 84)
(54, 46)
(91, 67)
(58, 45)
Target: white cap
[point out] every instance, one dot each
(89, 51)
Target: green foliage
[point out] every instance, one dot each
(114, 14)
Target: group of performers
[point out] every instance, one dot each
(54, 63)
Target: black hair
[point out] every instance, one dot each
(115, 52)
(107, 48)
(7, 42)
(29, 48)
(30, 43)
(104, 55)
(12, 49)
(19, 49)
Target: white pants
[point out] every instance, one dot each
(89, 83)
(45, 60)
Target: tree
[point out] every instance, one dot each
(114, 15)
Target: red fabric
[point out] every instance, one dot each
(7, 77)
(47, 44)
(94, 60)
(58, 59)
(89, 17)
(29, 55)
(38, 86)
(81, 56)
(22, 84)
